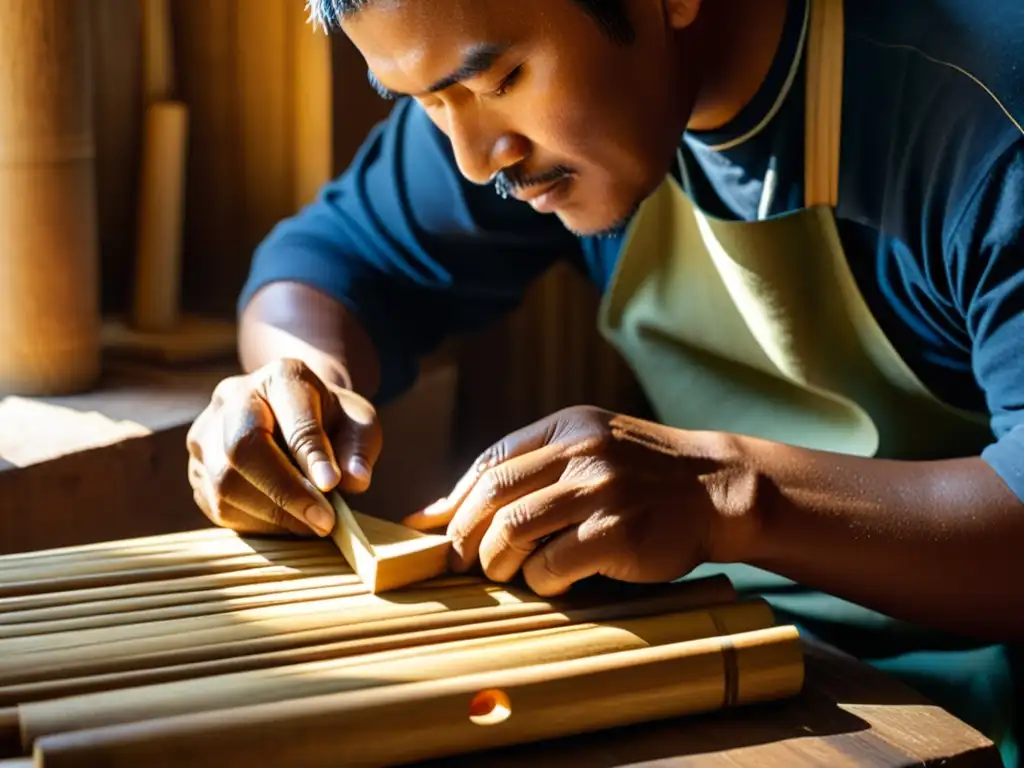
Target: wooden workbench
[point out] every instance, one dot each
(849, 714)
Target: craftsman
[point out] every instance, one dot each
(807, 226)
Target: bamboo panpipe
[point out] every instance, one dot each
(397, 666)
(49, 242)
(438, 718)
(389, 635)
(360, 617)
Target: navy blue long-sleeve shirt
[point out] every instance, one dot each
(930, 210)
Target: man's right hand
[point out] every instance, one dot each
(271, 442)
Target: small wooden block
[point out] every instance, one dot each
(387, 555)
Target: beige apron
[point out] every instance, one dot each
(759, 328)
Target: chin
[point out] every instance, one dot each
(606, 222)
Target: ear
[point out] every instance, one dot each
(681, 13)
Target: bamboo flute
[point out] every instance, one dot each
(405, 634)
(420, 611)
(402, 665)
(438, 718)
(212, 583)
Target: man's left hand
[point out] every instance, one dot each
(587, 492)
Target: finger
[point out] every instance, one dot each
(236, 519)
(358, 443)
(250, 449)
(296, 402)
(515, 444)
(518, 528)
(498, 487)
(587, 550)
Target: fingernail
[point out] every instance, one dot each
(358, 466)
(324, 474)
(321, 520)
(438, 507)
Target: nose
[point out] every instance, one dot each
(483, 146)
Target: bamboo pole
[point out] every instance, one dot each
(403, 665)
(49, 268)
(397, 634)
(375, 616)
(439, 718)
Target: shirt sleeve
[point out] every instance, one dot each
(415, 251)
(986, 270)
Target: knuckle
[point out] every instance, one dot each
(240, 444)
(305, 435)
(222, 482)
(289, 369)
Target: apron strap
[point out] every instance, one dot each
(824, 103)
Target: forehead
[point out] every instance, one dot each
(406, 36)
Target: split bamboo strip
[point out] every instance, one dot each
(274, 618)
(211, 583)
(110, 578)
(165, 542)
(401, 665)
(438, 718)
(200, 601)
(393, 634)
(379, 617)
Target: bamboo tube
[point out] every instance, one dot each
(41, 632)
(49, 269)
(402, 665)
(161, 215)
(271, 574)
(403, 634)
(200, 553)
(375, 617)
(161, 542)
(238, 563)
(61, 618)
(273, 618)
(440, 718)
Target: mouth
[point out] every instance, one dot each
(544, 198)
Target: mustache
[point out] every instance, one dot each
(510, 179)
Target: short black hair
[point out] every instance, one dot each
(610, 15)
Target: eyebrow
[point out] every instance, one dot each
(479, 59)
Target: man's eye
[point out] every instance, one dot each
(509, 81)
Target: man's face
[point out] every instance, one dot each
(576, 123)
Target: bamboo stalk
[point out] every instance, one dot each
(378, 616)
(273, 618)
(483, 654)
(224, 565)
(404, 634)
(210, 583)
(439, 718)
(209, 600)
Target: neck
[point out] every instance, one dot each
(741, 39)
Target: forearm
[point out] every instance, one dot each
(288, 320)
(935, 543)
